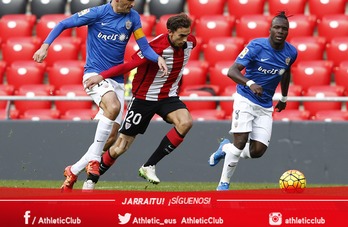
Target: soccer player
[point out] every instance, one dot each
(267, 62)
(153, 94)
(109, 28)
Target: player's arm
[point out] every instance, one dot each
(115, 70)
(235, 73)
(41, 53)
(148, 52)
(284, 85)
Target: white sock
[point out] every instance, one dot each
(246, 151)
(230, 163)
(95, 151)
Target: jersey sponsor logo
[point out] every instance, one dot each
(128, 24)
(243, 53)
(113, 37)
(83, 12)
(271, 71)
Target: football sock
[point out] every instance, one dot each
(230, 163)
(106, 162)
(246, 151)
(94, 152)
(171, 141)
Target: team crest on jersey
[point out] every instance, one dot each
(243, 53)
(287, 60)
(83, 12)
(128, 24)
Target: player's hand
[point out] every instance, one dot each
(162, 66)
(257, 89)
(92, 81)
(280, 106)
(40, 55)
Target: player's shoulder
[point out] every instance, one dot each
(290, 47)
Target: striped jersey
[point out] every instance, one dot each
(149, 83)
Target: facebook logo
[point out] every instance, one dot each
(26, 217)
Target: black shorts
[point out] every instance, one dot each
(140, 113)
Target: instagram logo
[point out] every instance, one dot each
(275, 218)
(26, 217)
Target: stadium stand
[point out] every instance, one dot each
(341, 76)
(198, 8)
(159, 8)
(337, 50)
(16, 25)
(332, 26)
(78, 5)
(13, 7)
(218, 75)
(40, 114)
(66, 72)
(40, 8)
(291, 6)
(302, 25)
(291, 115)
(195, 73)
(331, 115)
(79, 114)
(198, 105)
(322, 8)
(47, 22)
(253, 26)
(309, 48)
(239, 8)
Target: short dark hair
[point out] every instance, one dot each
(179, 21)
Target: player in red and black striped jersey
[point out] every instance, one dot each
(154, 93)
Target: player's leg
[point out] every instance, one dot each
(104, 95)
(182, 121)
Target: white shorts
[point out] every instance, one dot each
(250, 117)
(97, 93)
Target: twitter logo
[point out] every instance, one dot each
(124, 219)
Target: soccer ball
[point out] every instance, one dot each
(292, 181)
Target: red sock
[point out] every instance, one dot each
(174, 137)
(107, 159)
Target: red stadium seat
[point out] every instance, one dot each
(239, 8)
(291, 115)
(332, 26)
(309, 48)
(2, 71)
(195, 73)
(253, 26)
(301, 25)
(131, 48)
(81, 32)
(48, 22)
(227, 106)
(291, 7)
(222, 49)
(63, 48)
(25, 72)
(148, 23)
(159, 7)
(218, 75)
(341, 75)
(327, 7)
(196, 52)
(337, 50)
(16, 25)
(212, 89)
(9, 89)
(40, 114)
(72, 90)
(198, 8)
(198, 105)
(13, 114)
(331, 115)
(66, 72)
(294, 90)
(312, 73)
(207, 115)
(321, 92)
(19, 48)
(214, 26)
(79, 114)
(32, 91)
(3, 103)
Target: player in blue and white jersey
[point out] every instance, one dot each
(110, 27)
(267, 63)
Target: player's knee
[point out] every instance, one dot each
(257, 152)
